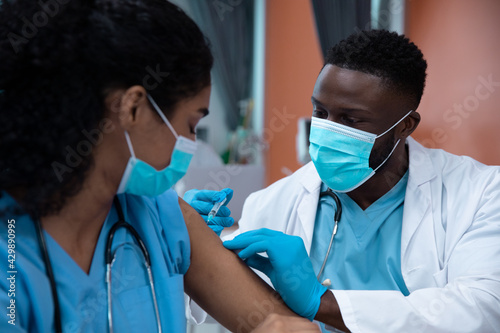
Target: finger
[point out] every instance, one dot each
(253, 249)
(224, 211)
(217, 229)
(222, 221)
(202, 207)
(241, 241)
(264, 232)
(268, 232)
(260, 263)
(244, 237)
(188, 196)
(229, 194)
(209, 196)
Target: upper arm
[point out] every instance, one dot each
(222, 284)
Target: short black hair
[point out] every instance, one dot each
(59, 59)
(392, 57)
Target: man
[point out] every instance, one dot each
(417, 247)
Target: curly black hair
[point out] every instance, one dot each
(384, 54)
(59, 59)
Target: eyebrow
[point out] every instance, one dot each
(315, 101)
(204, 111)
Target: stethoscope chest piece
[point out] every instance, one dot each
(327, 283)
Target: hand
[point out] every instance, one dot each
(203, 200)
(288, 266)
(275, 323)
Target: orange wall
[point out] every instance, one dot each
(293, 61)
(460, 40)
(460, 110)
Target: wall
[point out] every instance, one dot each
(215, 124)
(293, 61)
(460, 109)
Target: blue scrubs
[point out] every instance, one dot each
(82, 296)
(366, 251)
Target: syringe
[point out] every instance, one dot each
(215, 209)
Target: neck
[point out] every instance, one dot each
(384, 179)
(77, 226)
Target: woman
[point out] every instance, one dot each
(98, 105)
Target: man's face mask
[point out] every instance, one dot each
(341, 154)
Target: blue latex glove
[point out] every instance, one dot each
(288, 266)
(203, 201)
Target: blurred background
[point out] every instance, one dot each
(268, 54)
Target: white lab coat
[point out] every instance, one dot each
(450, 244)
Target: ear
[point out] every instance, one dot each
(410, 124)
(134, 109)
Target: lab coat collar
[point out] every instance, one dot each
(309, 178)
(421, 170)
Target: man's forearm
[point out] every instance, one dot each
(329, 312)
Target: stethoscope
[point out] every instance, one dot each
(336, 219)
(109, 259)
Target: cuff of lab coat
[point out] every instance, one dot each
(346, 310)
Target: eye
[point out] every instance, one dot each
(349, 120)
(320, 114)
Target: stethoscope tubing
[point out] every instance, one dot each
(50, 275)
(109, 257)
(336, 218)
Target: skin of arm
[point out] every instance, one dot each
(222, 284)
(329, 312)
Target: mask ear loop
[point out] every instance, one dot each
(392, 151)
(397, 143)
(400, 120)
(162, 116)
(157, 108)
(129, 143)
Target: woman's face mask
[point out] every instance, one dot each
(140, 178)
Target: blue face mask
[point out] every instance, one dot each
(341, 154)
(141, 178)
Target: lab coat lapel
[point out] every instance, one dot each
(418, 194)
(413, 215)
(308, 203)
